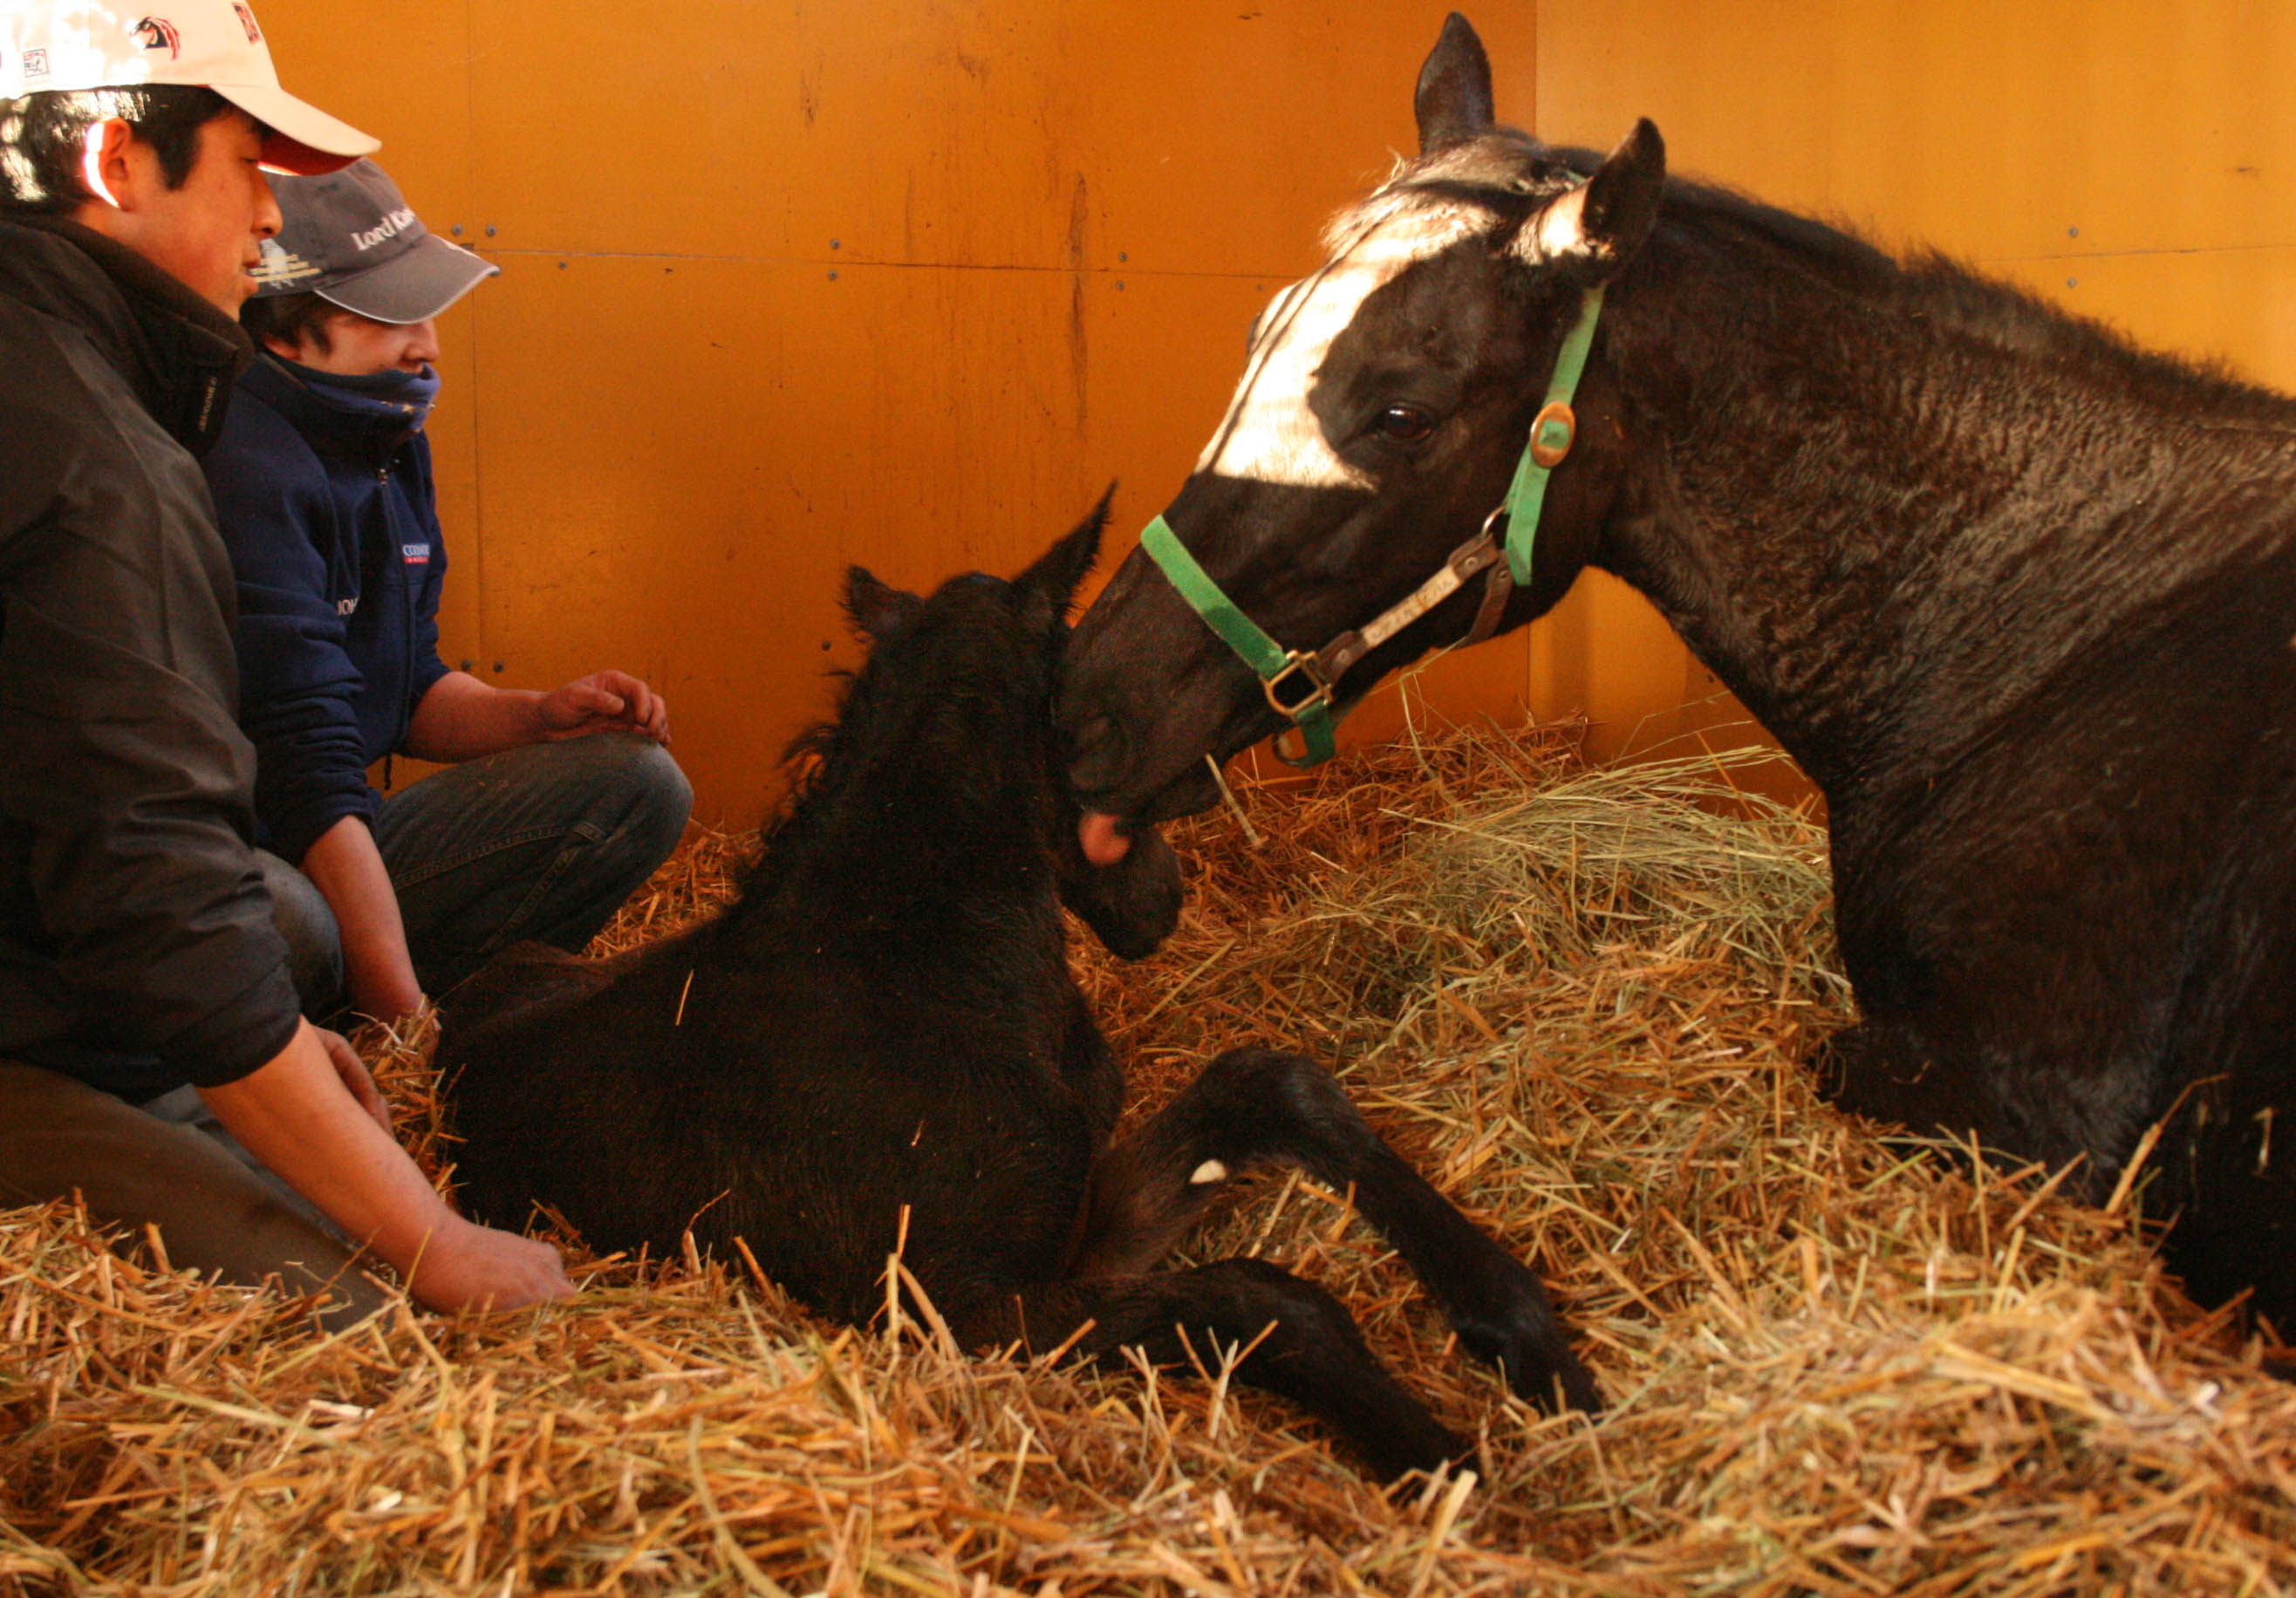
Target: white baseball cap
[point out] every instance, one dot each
(209, 43)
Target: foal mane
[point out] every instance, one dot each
(823, 764)
(812, 772)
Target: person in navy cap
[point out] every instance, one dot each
(557, 804)
(154, 1058)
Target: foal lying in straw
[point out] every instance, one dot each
(878, 1051)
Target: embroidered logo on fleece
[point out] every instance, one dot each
(415, 554)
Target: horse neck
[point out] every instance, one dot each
(1881, 512)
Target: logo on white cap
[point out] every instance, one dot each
(157, 33)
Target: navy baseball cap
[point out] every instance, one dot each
(352, 239)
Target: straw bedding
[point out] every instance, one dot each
(1578, 997)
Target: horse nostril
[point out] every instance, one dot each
(1097, 753)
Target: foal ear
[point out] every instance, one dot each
(1454, 98)
(878, 608)
(1595, 228)
(1051, 583)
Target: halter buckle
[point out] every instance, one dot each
(1298, 662)
(1552, 431)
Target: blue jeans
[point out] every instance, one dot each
(542, 843)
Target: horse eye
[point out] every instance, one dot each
(1406, 423)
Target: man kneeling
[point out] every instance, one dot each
(323, 487)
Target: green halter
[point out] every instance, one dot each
(1306, 704)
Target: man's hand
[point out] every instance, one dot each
(604, 702)
(355, 1076)
(467, 1267)
(302, 1115)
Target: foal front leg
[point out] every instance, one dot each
(1254, 1107)
(1303, 1345)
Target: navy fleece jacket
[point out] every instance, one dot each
(323, 490)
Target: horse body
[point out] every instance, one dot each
(2019, 598)
(879, 1050)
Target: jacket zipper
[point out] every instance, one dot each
(406, 626)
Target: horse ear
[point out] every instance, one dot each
(878, 608)
(1453, 100)
(1595, 228)
(1051, 583)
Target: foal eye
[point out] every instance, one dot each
(1406, 423)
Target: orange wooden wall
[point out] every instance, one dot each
(788, 284)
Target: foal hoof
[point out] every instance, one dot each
(1528, 1348)
(1421, 1443)
(1554, 1382)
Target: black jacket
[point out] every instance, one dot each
(137, 945)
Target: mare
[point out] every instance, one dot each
(2019, 597)
(879, 1050)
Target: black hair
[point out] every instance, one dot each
(290, 318)
(43, 138)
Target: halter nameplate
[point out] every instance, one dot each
(1299, 684)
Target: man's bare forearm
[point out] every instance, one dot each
(462, 718)
(347, 870)
(296, 1115)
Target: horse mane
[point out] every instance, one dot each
(1929, 283)
(1512, 173)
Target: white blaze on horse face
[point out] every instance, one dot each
(1271, 436)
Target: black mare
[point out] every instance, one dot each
(879, 1047)
(2019, 597)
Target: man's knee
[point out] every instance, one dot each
(60, 1138)
(643, 799)
(314, 944)
(662, 798)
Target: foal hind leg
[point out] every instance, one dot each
(1254, 1107)
(1302, 1346)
